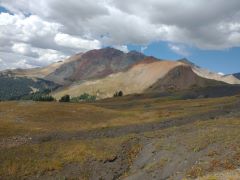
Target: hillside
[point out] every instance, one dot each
(171, 123)
(124, 138)
(138, 78)
(34, 72)
(180, 78)
(104, 71)
(95, 64)
(146, 76)
(15, 88)
(230, 79)
(237, 75)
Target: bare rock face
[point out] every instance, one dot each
(136, 79)
(95, 64)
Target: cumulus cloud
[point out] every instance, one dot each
(68, 27)
(24, 49)
(30, 41)
(74, 42)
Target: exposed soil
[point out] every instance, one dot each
(14, 141)
(112, 168)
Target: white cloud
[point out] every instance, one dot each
(78, 25)
(207, 25)
(31, 41)
(179, 49)
(76, 42)
(123, 48)
(23, 49)
(27, 29)
(220, 73)
(22, 63)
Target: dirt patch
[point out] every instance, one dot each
(92, 169)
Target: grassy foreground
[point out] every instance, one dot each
(120, 138)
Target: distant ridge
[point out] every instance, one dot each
(230, 79)
(237, 75)
(102, 72)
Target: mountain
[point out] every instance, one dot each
(80, 67)
(186, 61)
(135, 80)
(230, 79)
(148, 76)
(34, 72)
(94, 64)
(237, 75)
(104, 71)
(180, 78)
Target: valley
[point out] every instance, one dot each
(119, 90)
(103, 72)
(106, 114)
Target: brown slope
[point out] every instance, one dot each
(135, 80)
(95, 64)
(229, 79)
(180, 78)
(143, 77)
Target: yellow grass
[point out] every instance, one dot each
(32, 118)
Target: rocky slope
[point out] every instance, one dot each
(103, 72)
(146, 76)
(95, 64)
(80, 67)
(135, 80)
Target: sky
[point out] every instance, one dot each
(35, 33)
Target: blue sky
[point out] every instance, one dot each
(2, 9)
(225, 61)
(37, 33)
